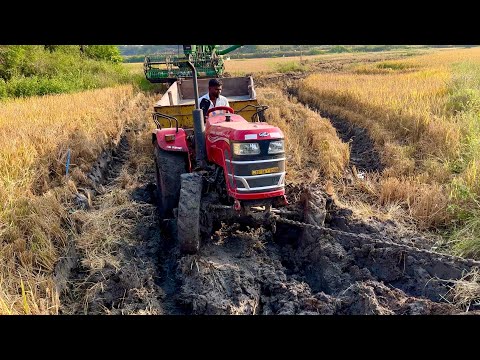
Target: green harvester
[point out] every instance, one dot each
(207, 59)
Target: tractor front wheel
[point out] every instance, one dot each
(189, 209)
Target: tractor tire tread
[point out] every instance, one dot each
(189, 207)
(171, 165)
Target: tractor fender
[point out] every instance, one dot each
(177, 144)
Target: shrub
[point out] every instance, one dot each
(290, 67)
(40, 70)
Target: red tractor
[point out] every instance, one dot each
(224, 167)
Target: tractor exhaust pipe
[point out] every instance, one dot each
(198, 123)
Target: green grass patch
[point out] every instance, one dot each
(291, 66)
(464, 90)
(144, 85)
(464, 107)
(384, 67)
(394, 66)
(466, 239)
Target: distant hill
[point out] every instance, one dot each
(136, 53)
(129, 50)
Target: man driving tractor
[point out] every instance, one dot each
(213, 98)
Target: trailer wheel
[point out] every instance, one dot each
(169, 166)
(189, 208)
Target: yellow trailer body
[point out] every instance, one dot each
(179, 102)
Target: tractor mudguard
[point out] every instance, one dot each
(167, 142)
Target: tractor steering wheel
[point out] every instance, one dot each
(226, 108)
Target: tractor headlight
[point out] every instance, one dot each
(276, 147)
(246, 149)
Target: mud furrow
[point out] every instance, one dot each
(363, 154)
(138, 278)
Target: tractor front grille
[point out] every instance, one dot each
(250, 176)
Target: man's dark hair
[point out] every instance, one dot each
(215, 82)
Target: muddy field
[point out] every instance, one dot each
(351, 266)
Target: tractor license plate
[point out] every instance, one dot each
(266, 171)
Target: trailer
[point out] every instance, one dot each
(179, 100)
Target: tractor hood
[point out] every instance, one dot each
(238, 129)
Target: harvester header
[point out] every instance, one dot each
(207, 59)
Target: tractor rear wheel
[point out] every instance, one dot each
(169, 166)
(189, 208)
